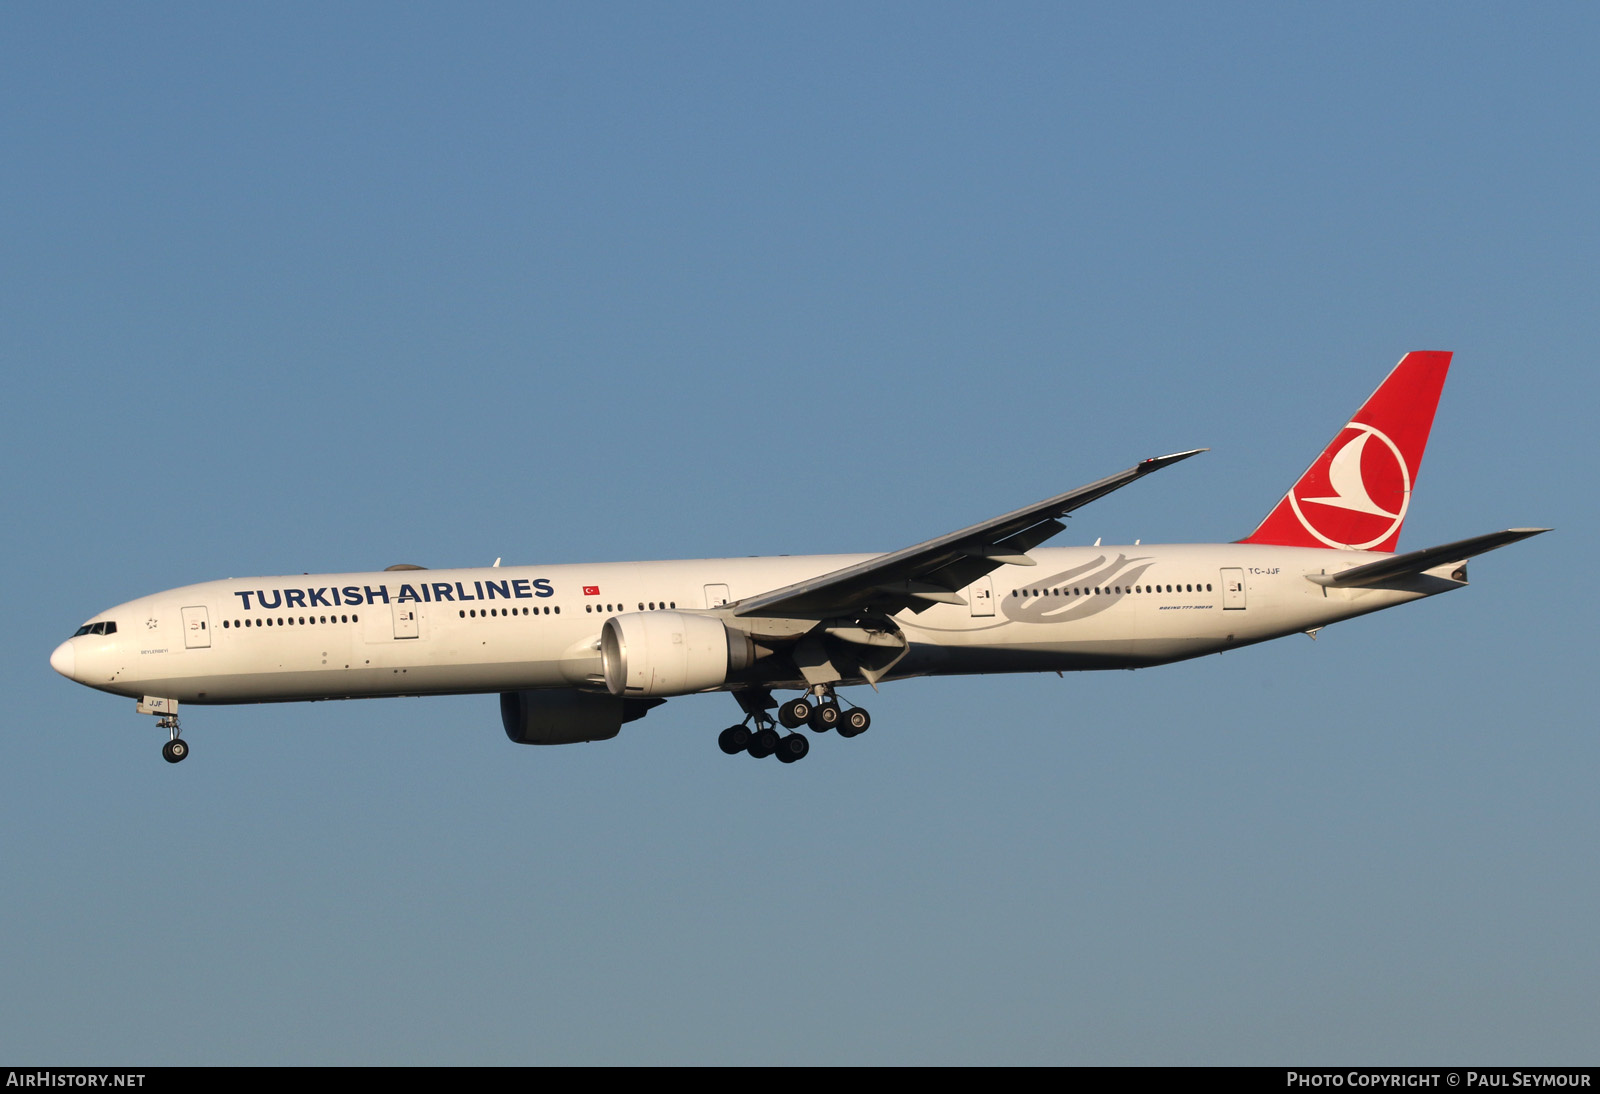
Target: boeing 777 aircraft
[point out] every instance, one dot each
(576, 651)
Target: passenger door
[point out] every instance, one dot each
(196, 632)
(1232, 587)
(406, 623)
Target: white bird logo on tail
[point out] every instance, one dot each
(1344, 475)
(1350, 490)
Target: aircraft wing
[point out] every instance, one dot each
(931, 573)
(1416, 562)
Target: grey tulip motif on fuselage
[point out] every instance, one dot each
(1071, 594)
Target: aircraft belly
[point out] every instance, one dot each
(1050, 656)
(288, 684)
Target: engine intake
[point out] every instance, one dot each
(670, 653)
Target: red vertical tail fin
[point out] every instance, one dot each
(1355, 495)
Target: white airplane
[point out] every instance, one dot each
(576, 651)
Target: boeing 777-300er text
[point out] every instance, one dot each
(576, 651)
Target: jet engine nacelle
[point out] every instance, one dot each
(563, 716)
(670, 653)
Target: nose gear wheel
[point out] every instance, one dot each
(177, 748)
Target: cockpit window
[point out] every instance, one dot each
(103, 627)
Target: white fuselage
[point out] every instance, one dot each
(415, 632)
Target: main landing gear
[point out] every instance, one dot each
(762, 742)
(764, 739)
(824, 715)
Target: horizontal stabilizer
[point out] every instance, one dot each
(1416, 562)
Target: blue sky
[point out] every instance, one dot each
(305, 288)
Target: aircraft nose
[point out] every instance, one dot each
(65, 659)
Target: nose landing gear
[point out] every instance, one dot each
(176, 748)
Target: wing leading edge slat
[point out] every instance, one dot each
(932, 572)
